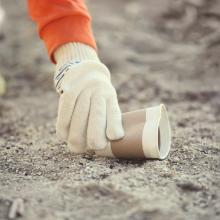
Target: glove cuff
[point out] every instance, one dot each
(75, 52)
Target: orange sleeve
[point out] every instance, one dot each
(61, 21)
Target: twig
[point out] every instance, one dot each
(17, 208)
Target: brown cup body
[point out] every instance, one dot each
(131, 145)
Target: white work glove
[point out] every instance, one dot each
(88, 115)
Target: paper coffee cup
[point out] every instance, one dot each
(147, 135)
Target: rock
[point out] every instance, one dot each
(189, 186)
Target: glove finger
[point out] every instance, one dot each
(66, 106)
(115, 128)
(96, 138)
(79, 123)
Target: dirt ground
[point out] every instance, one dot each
(158, 51)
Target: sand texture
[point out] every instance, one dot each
(157, 51)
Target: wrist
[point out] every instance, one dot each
(74, 51)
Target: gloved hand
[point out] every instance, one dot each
(89, 115)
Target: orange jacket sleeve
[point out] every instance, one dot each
(61, 21)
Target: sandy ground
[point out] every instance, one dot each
(157, 51)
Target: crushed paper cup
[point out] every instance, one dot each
(147, 135)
